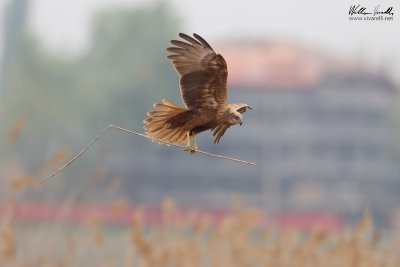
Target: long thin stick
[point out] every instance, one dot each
(139, 134)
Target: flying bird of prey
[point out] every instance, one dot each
(203, 84)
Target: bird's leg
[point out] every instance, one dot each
(195, 147)
(187, 146)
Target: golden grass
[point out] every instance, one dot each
(193, 239)
(8, 243)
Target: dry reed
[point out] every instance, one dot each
(194, 239)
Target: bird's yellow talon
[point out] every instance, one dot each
(187, 146)
(195, 147)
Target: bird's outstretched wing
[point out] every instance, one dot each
(203, 73)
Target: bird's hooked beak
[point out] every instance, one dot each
(240, 119)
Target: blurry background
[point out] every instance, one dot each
(324, 129)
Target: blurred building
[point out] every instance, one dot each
(321, 133)
(327, 132)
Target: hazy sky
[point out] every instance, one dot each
(64, 24)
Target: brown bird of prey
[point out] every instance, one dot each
(203, 75)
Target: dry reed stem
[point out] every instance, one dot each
(58, 158)
(16, 129)
(19, 183)
(142, 135)
(119, 206)
(8, 243)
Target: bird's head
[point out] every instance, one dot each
(235, 111)
(233, 117)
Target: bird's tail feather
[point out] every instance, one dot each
(161, 123)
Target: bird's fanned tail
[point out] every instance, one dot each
(166, 122)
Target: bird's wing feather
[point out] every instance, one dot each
(203, 73)
(218, 131)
